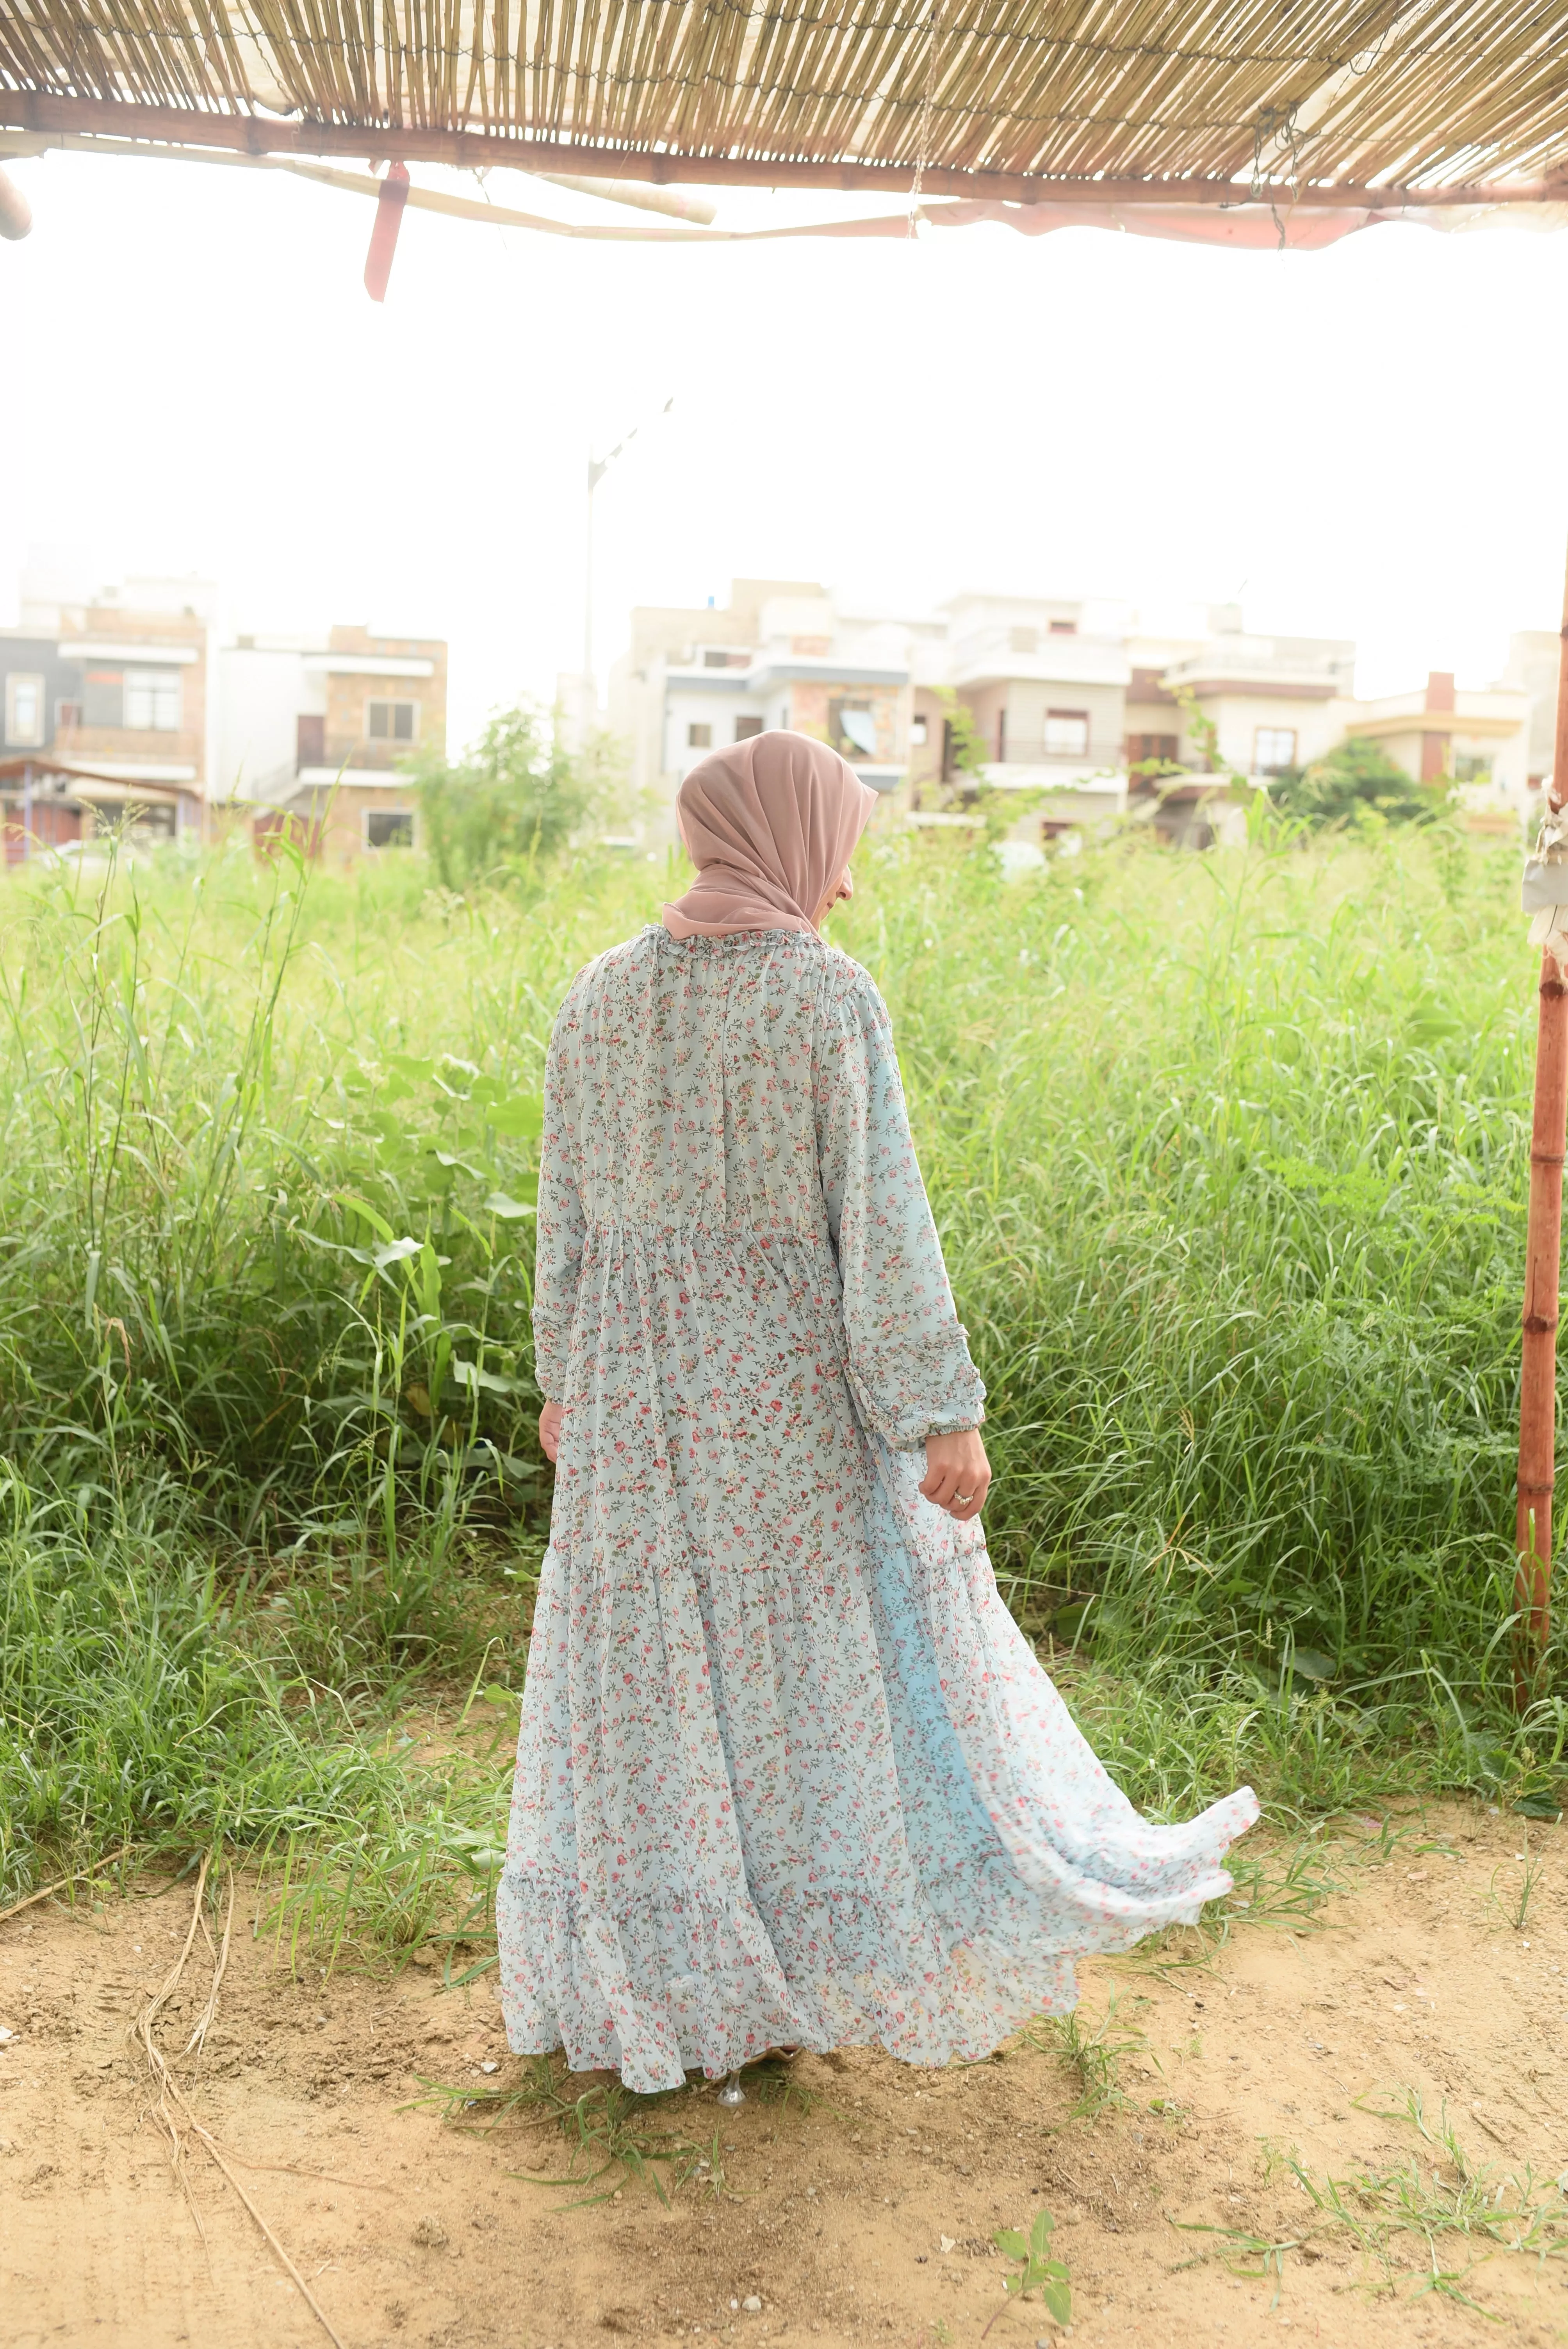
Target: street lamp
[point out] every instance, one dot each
(597, 469)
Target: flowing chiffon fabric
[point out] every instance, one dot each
(788, 1770)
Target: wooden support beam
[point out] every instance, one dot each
(258, 134)
(1543, 1256)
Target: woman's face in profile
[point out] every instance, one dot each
(843, 889)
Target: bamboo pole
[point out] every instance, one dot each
(254, 134)
(1543, 1252)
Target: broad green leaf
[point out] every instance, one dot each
(336, 1247)
(508, 1209)
(377, 1223)
(468, 1374)
(522, 1119)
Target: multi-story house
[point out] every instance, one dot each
(1044, 681)
(314, 735)
(1443, 733)
(1274, 703)
(778, 655)
(112, 691)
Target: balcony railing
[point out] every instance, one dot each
(1100, 750)
(359, 750)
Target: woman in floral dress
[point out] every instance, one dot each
(789, 1773)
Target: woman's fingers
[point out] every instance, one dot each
(549, 1420)
(963, 1497)
(957, 1474)
(963, 1510)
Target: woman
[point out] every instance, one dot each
(789, 1774)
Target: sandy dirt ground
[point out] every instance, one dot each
(861, 2206)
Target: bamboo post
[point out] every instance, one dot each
(1543, 1251)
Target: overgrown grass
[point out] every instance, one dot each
(1229, 1157)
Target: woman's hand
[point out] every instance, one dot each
(549, 1420)
(957, 1474)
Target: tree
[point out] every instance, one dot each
(964, 749)
(514, 800)
(1357, 778)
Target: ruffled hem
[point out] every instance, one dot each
(675, 1983)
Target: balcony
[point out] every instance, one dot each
(355, 751)
(167, 754)
(1027, 765)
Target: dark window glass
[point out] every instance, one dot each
(852, 728)
(104, 693)
(389, 721)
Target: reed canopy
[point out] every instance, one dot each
(1204, 100)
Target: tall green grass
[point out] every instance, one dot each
(1228, 1153)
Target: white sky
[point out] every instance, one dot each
(1370, 442)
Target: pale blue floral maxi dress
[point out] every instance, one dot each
(788, 1770)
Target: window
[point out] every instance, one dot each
(1066, 733)
(23, 711)
(852, 728)
(388, 827)
(152, 700)
(1064, 627)
(699, 737)
(1024, 640)
(1471, 765)
(715, 656)
(1273, 750)
(1141, 749)
(744, 727)
(104, 689)
(917, 731)
(391, 721)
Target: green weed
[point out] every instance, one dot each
(1039, 2272)
(1441, 2197)
(1512, 1903)
(611, 2134)
(1092, 2051)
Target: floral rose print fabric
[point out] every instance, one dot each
(788, 1770)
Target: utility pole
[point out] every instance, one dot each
(597, 469)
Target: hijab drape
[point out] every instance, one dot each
(770, 824)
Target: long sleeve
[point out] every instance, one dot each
(909, 1362)
(558, 1248)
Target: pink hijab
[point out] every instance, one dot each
(770, 823)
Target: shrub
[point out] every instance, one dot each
(1354, 780)
(513, 802)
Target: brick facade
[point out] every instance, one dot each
(349, 698)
